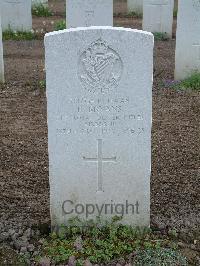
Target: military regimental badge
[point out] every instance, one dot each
(100, 68)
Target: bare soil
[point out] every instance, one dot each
(24, 186)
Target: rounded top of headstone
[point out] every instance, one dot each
(96, 28)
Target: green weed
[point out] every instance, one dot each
(105, 242)
(163, 256)
(18, 35)
(60, 25)
(134, 14)
(160, 36)
(192, 82)
(175, 13)
(40, 10)
(42, 84)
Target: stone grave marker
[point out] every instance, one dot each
(1, 56)
(16, 15)
(84, 13)
(99, 94)
(135, 6)
(158, 16)
(187, 58)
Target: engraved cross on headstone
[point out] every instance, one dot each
(100, 160)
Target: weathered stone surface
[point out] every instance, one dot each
(158, 16)
(187, 39)
(84, 13)
(99, 83)
(16, 15)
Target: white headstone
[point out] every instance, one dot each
(85, 13)
(1, 56)
(187, 39)
(135, 6)
(16, 15)
(99, 93)
(158, 16)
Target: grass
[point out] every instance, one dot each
(109, 242)
(60, 25)
(131, 14)
(190, 83)
(175, 13)
(18, 35)
(40, 10)
(42, 85)
(160, 36)
(134, 14)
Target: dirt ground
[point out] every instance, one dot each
(24, 188)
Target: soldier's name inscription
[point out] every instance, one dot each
(101, 115)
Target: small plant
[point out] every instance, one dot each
(160, 36)
(173, 233)
(169, 83)
(117, 14)
(60, 25)
(192, 83)
(163, 256)
(18, 35)
(105, 242)
(175, 13)
(134, 14)
(40, 10)
(42, 84)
